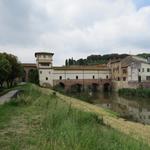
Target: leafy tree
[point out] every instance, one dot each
(5, 69)
(16, 69)
(11, 69)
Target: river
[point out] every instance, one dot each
(133, 109)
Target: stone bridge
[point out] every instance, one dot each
(93, 84)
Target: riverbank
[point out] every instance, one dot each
(43, 119)
(139, 93)
(136, 130)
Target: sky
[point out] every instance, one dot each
(74, 28)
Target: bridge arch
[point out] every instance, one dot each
(76, 88)
(106, 87)
(61, 85)
(94, 87)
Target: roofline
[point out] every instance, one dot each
(39, 53)
(82, 68)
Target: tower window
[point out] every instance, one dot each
(142, 69)
(93, 77)
(60, 77)
(40, 72)
(76, 77)
(46, 78)
(107, 77)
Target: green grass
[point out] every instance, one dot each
(44, 122)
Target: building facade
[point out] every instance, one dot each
(129, 72)
(84, 76)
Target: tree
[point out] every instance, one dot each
(16, 69)
(5, 69)
(10, 69)
(34, 76)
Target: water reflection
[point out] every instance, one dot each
(131, 109)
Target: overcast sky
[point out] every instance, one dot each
(74, 28)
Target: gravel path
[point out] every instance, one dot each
(7, 97)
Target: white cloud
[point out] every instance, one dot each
(74, 28)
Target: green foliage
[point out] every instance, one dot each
(94, 59)
(5, 69)
(140, 92)
(144, 55)
(10, 69)
(34, 76)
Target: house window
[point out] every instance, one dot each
(124, 71)
(139, 70)
(148, 69)
(124, 78)
(148, 78)
(93, 77)
(46, 78)
(77, 77)
(60, 77)
(40, 72)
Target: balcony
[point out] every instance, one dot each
(40, 60)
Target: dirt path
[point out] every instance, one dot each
(136, 130)
(7, 97)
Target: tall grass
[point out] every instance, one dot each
(140, 92)
(44, 122)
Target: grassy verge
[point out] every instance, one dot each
(140, 93)
(44, 121)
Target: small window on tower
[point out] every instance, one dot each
(76, 77)
(142, 69)
(60, 77)
(40, 72)
(93, 77)
(46, 78)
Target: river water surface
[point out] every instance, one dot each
(134, 109)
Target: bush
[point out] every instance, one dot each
(140, 92)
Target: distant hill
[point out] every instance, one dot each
(99, 59)
(144, 55)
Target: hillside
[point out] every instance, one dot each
(39, 119)
(99, 59)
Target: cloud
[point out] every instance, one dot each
(73, 28)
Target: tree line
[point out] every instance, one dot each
(99, 59)
(10, 69)
(94, 59)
